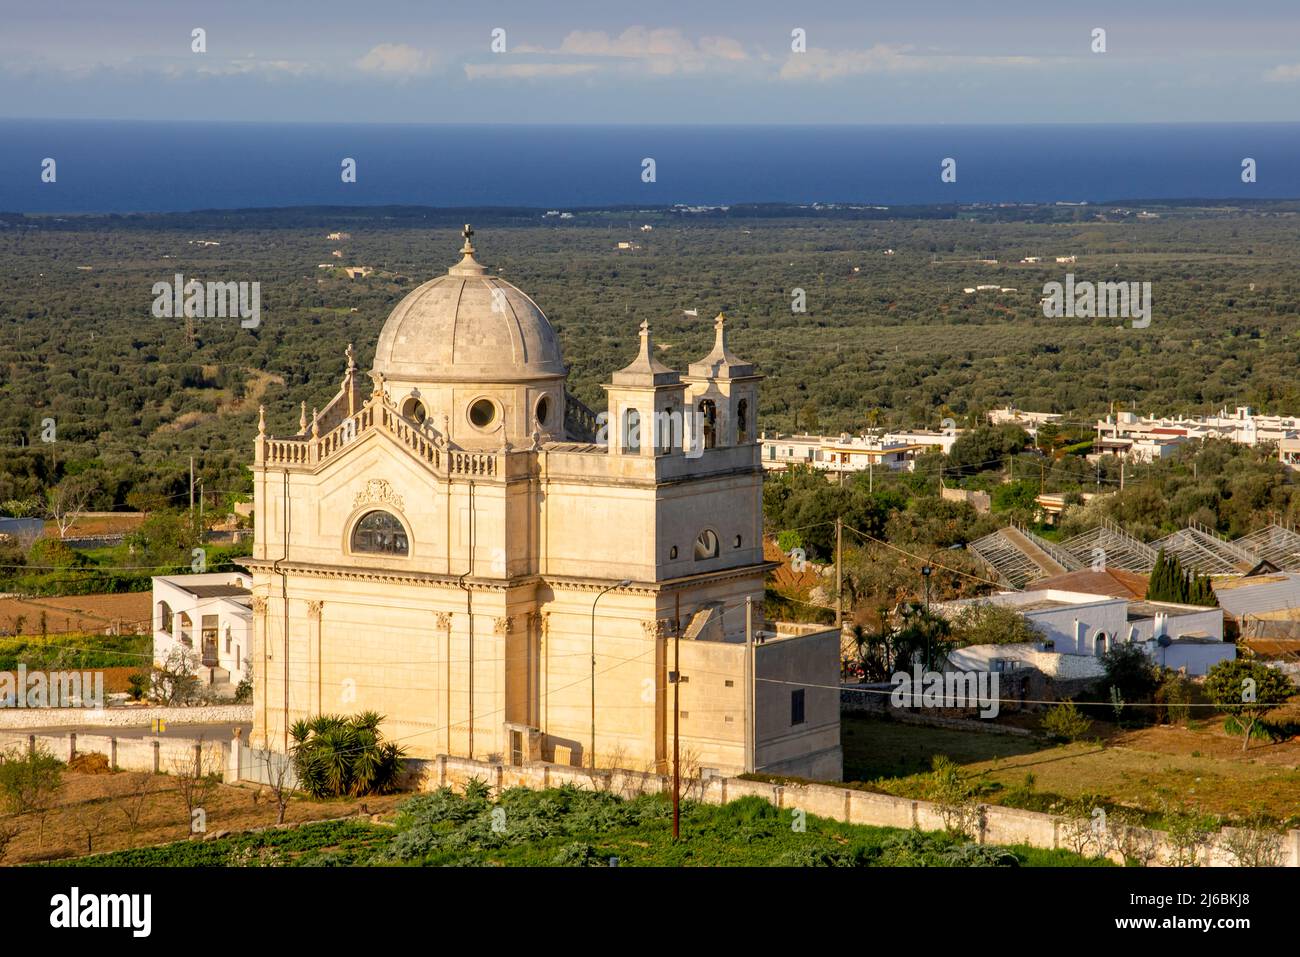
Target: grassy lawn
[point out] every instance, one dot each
(1198, 768)
(567, 827)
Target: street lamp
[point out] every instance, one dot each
(926, 571)
(623, 584)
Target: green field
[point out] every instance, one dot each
(568, 827)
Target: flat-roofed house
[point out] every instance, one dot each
(209, 617)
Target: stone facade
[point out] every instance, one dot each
(456, 549)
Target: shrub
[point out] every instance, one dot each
(336, 756)
(29, 783)
(138, 685)
(1130, 670)
(578, 854)
(1064, 722)
(980, 855)
(815, 855)
(1174, 697)
(953, 795)
(984, 623)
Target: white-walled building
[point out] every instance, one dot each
(1084, 627)
(1241, 426)
(208, 616)
(896, 451)
(1031, 422)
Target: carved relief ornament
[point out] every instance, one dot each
(378, 492)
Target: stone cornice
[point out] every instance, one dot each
(389, 575)
(561, 583)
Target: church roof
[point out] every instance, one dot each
(468, 326)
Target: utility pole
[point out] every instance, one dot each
(751, 681)
(677, 713)
(839, 571)
(925, 573)
(1121, 474)
(191, 488)
(871, 474)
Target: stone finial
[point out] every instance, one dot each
(646, 350)
(645, 369)
(379, 384)
(468, 232)
(261, 420)
(720, 363)
(352, 359)
(315, 424)
(302, 418)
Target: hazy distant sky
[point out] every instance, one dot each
(660, 61)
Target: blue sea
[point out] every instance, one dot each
(128, 166)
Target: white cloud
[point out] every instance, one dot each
(397, 60)
(636, 50)
(525, 71)
(1286, 73)
(883, 58)
(244, 66)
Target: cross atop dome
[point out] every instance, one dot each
(468, 266)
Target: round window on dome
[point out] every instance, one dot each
(414, 410)
(482, 413)
(543, 411)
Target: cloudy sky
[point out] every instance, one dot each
(667, 61)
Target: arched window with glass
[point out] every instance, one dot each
(380, 533)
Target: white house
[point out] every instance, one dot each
(210, 617)
(1031, 422)
(1242, 426)
(1078, 628)
(896, 451)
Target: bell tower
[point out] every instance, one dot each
(646, 400)
(722, 392)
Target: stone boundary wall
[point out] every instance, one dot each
(996, 825)
(123, 717)
(159, 755)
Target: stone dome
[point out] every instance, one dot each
(468, 326)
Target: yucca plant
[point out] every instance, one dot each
(338, 756)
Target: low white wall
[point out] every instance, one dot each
(123, 717)
(157, 754)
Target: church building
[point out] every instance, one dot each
(462, 546)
